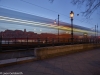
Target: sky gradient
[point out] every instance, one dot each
(51, 10)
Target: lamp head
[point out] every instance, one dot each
(71, 14)
(55, 21)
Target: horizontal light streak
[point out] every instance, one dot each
(26, 21)
(29, 22)
(41, 24)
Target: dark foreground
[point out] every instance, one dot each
(83, 63)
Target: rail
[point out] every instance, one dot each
(30, 43)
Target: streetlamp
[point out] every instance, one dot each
(58, 26)
(55, 21)
(95, 31)
(71, 16)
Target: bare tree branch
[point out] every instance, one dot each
(51, 1)
(90, 5)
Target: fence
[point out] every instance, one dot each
(30, 43)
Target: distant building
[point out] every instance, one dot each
(24, 30)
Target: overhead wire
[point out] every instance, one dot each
(48, 9)
(37, 23)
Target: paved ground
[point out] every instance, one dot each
(83, 63)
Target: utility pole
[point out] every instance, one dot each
(95, 34)
(95, 31)
(58, 28)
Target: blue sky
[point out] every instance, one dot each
(50, 10)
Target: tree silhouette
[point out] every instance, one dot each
(51, 1)
(90, 6)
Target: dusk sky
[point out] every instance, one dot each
(50, 10)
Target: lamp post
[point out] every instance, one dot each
(95, 31)
(58, 26)
(71, 16)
